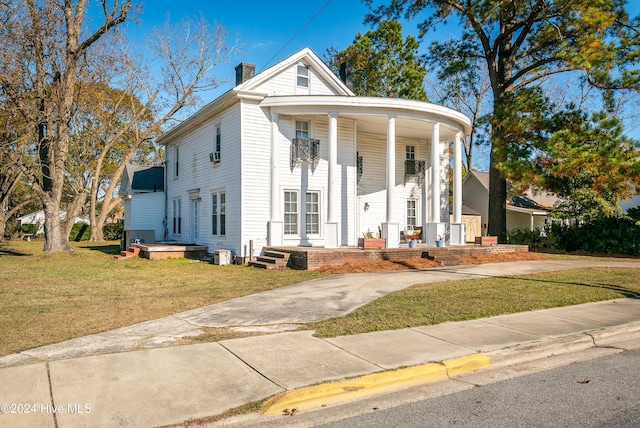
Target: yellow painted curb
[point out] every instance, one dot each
(312, 397)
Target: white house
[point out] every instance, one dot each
(528, 211)
(142, 190)
(291, 157)
(37, 217)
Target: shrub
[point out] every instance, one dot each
(551, 237)
(80, 232)
(607, 235)
(30, 228)
(112, 231)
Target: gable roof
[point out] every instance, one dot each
(248, 88)
(142, 178)
(305, 55)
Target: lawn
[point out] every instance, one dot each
(48, 299)
(428, 304)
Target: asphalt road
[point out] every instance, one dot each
(603, 392)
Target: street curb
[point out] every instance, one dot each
(550, 347)
(315, 396)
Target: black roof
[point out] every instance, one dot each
(151, 179)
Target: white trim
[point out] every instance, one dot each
(321, 104)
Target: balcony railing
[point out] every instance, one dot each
(305, 151)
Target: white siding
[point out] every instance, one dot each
(476, 197)
(146, 212)
(199, 178)
(285, 83)
(373, 149)
(256, 179)
(127, 214)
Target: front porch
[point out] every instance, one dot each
(312, 258)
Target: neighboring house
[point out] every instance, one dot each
(472, 223)
(291, 157)
(142, 189)
(528, 211)
(38, 218)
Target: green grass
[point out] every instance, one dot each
(48, 299)
(428, 304)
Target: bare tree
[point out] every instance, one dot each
(46, 47)
(468, 91)
(186, 53)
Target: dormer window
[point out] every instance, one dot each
(303, 76)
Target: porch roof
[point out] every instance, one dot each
(412, 117)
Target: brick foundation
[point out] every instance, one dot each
(314, 258)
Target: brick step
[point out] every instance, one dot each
(262, 265)
(277, 254)
(271, 260)
(131, 252)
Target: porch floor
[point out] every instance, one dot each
(311, 258)
(171, 251)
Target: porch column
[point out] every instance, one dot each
(435, 229)
(331, 226)
(391, 229)
(458, 232)
(275, 224)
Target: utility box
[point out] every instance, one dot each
(222, 257)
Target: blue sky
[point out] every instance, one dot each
(262, 28)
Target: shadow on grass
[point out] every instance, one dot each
(7, 252)
(107, 249)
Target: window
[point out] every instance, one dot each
(218, 214)
(214, 214)
(410, 153)
(177, 216)
(290, 213)
(216, 148)
(412, 167)
(302, 129)
(223, 212)
(303, 76)
(412, 218)
(177, 161)
(313, 213)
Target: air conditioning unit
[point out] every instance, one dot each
(214, 157)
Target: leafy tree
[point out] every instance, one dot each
(523, 42)
(584, 158)
(383, 63)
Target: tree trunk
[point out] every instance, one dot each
(497, 201)
(55, 238)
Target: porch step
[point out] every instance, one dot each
(130, 252)
(443, 256)
(271, 260)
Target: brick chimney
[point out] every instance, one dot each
(346, 74)
(244, 72)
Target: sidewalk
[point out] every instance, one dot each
(161, 386)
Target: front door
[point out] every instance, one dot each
(194, 220)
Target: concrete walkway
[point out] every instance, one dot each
(86, 382)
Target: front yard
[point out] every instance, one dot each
(48, 299)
